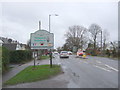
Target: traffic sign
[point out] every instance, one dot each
(42, 39)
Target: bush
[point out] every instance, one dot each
(20, 56)
(5, 59)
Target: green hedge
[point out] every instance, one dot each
(5, 59)
(20, 56)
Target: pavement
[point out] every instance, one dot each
(17, 68)
(93, 72)
(59, 81)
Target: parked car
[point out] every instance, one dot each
(69, 52)
(55, 52)
(64, 54)
(80, 53)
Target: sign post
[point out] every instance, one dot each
(42, 39)
(50, 58)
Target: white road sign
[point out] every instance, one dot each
(42, 39)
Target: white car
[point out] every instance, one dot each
(69, 52)
(64, 54)
(55, 53)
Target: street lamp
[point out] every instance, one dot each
(101, 40)
(49, 19)
(49, 32)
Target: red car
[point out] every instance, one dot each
(79, 53)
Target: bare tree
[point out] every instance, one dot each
(115, 45)
(76, 36)
(28, 44)
(105, 39)
(94, 30)
(115, 48)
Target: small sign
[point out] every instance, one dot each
(42, 39)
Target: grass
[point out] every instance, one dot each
(44, 57)
(111, 57)
(11, 67)
(31, 74)
(0, 59)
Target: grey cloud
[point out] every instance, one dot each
(22, 18)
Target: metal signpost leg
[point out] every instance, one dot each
(34, 58)
(50, 58)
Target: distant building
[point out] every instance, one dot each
(10, 46)
(23, 46)
(14, 46)
(1, 42)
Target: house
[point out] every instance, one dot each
(1, 42)
(11, 44)
(14, 46)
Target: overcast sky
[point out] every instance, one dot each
(21, 19)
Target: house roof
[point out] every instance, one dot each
(11, 46)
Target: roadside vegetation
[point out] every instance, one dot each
(94, 40)
(0, 60)
(31, 74)
(19, 56)
(44, 57)
(5, 59)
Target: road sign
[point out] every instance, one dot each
(74, 49)
(42, 39)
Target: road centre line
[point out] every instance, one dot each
(85, 62)
(98, 62)
(111, 67)
(102, 68)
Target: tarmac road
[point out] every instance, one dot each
(93, 72)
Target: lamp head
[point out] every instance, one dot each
(56, 14)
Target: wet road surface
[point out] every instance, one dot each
(93, 72)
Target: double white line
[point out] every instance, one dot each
(102, 68)
(111, 68)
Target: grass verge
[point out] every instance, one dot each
(0, 59)
(44, 57)
(31, 74)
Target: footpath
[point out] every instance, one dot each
(59, 81)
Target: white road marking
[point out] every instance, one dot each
(59, 63)
(111, 67)
(64, 67)
(85, 62)
(102, 68)
(98, 61)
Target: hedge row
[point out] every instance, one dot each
(17, 56)
(20, 56)
(5, 59)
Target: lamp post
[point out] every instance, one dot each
(50, 19)
(101, 42)
(49, 32)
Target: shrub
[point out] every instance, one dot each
(5, 59)
(20, 56)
